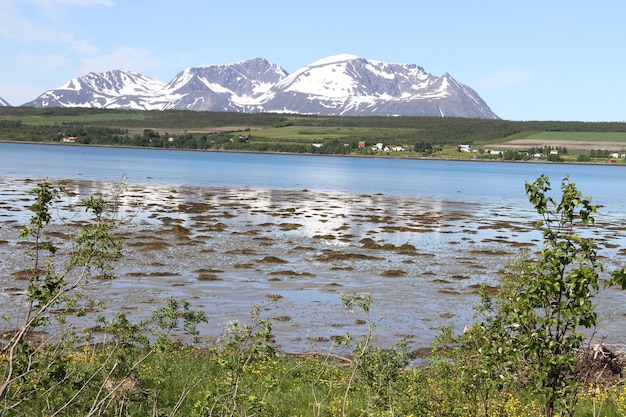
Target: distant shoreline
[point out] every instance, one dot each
(416, 158)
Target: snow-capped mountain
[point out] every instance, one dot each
(231, 87)
(338, 85)
(350, 86)
(112, 89)
(4, 103)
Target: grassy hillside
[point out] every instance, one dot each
(420, 136)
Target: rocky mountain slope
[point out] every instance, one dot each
(338, 85)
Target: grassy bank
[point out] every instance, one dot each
(242, 375)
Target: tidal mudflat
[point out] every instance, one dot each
(294, 251)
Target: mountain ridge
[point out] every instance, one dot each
(338, 85)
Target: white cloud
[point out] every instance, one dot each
(24, 30)
(125, 57)
(49, 3)
(506, 78)
(43, 62)
(83, 47)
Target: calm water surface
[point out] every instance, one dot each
(475, 203)
(448, 180)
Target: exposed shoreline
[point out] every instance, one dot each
(293, 252)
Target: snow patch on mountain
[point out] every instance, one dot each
(342, 84)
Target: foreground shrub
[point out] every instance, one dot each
(528, 337)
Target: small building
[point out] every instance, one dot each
(362, 144)
(318, 145)
(69, 139)
(464, 148)
(398, 148)
(378, 147)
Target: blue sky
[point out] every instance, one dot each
(529, 60)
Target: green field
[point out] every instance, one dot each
(42, 117)
(40, 120)
(580, 136)
(271, 132)
(320, 133)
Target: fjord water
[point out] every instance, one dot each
(465, 218)
(447, 180)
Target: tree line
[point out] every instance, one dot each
(156, 129)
